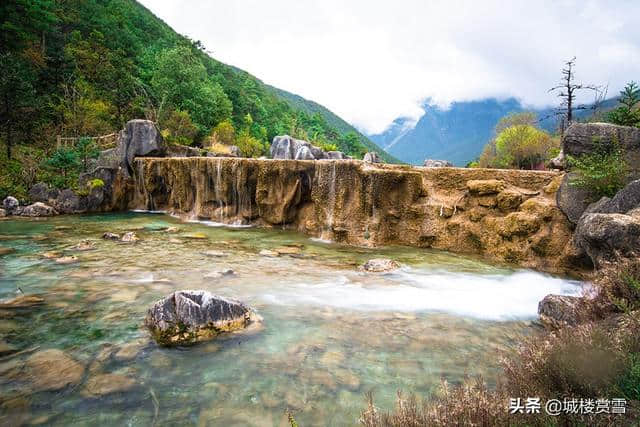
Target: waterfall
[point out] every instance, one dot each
(327, 232)
(218, 190)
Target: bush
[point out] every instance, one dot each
(519, 146)
(250, 146)
(603, 171)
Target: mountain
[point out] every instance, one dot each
(76, 68)
(459, 133)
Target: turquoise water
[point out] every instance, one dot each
(331, 333)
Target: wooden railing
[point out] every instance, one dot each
(103, 141)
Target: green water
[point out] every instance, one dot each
(330, 333)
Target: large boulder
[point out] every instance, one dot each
(182, 151)
(583, 138)
(67, 202)
(606, 237)
(572, 200)
(140, 138)
(625, 200)
(287, 148)
(187, 317)
(38, 209)
(432, 163)
(556, 311)
(10, 204)
(336, 155)
(372, 157)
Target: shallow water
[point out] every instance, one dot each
(330, 333)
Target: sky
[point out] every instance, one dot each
(372, 61)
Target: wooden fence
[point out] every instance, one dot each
(103, 142)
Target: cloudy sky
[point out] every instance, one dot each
(372, 61)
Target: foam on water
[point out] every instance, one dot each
(492, 297)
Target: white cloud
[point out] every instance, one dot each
(371, 62)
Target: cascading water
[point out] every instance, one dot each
(327, 232)
(218, 190)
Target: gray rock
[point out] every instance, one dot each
(372, 157)
(431, 163)
(235, 151)
(111, 236)
(606, 237)
(38, 209)
(573, 201)
(596, 207)
(336, 155)
(10, 204)
(140, 138)
(67, 202)
(182, 151)
(582, 138)
(557, 311)
(190, 316)
(624, 200)
(129, 237)
(39, 192)
(379, 265)
(287, 148)
(559, 162)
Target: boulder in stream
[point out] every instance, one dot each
(38, 209)
(189, 316)
(10, 204)
(557, 311)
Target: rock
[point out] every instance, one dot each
(111, 236)
(67, 202)
(177, 150)
(67, 260)
(51, 255)
(572, 200)
(103, 384)
(215, 254)
(6, 251)
(22, 301)
(39, 192)
(605, 237)
(10, 204)
(219, 274)
(336, 155)
(583, 138)
(484, 187)
(557, 311)
(129, 237)
(140, 138)
(542, 208)
(372, 157)
(190, 316)
(38, 209)
(379, 265)
(288, 250)
(287, 148)
(52, 370)
(432, 163)
(268, 253)
(3, 213)
(85, 245)
(558, 162)
(129, 351)
(519, 224)
(172, 230)
(509, 199)
(6, 348)
(622, 202)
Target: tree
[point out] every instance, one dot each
(250, 146)
(628, 113)
(223, 133)
(179, 129)
(521, 118)
(17, 94)
(86, 149)
(519, 146)
(567, 92)
(63, 161)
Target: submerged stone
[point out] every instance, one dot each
(103, 384)
(66, 260)
(111, 236)
(52, 370)
(129, 237)
(190, 316)
(379, 265)
(6, 251)
(22, 301)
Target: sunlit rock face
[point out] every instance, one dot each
(506, 215)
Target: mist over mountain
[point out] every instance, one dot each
(459, 133)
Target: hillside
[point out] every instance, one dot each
(86, 67)
(459, 133)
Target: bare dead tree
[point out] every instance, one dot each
(567, 91)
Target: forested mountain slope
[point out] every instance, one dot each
(85, 67)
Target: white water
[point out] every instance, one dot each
(491, 297)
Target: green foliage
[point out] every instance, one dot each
(603, 171)
(179, 129)
(86, 149)
(628, 113)
(249, 145)
(223, 133)
(629, 384)
(95, 183)
(519, 146)
(528, 118)
(64, 162)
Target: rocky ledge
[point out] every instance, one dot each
(187, 317)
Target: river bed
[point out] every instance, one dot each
(331, 333)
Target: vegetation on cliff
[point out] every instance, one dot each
(84, 68)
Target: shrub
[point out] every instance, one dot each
(250, 146)
(618, 289)
(603, 171)
(65, 163)
(519, 146)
